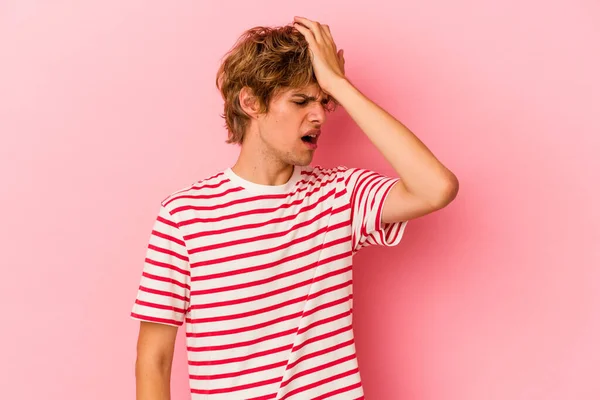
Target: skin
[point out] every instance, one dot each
(272, 146)
(272, 143)
(155, 347)
(426, 184)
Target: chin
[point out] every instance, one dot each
(303, 161)
(299, 158)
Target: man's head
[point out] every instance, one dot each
(272, 97)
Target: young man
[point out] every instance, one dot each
(257, 259)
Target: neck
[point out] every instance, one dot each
(255, 166)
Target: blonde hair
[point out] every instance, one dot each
(267, 60)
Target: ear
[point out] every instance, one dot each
(249, 102)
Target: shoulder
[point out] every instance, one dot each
(321, 173)
(205, 188)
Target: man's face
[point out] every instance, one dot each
(291, 128)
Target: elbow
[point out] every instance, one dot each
(447, 192)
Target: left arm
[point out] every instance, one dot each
(426, 184)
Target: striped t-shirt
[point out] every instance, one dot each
(262, 277)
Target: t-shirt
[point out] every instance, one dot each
(262, 277)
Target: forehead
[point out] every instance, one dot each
(313, 90)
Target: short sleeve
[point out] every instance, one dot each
(366, 193)
(164, 291)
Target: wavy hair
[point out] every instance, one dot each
(267, 60)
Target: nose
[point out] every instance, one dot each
(317, 113)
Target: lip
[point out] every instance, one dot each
(316, 132)
(312, 146)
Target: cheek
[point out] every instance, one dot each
(284, 129)
(284, 126)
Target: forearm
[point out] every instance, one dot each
(153, 381)
(422, 174)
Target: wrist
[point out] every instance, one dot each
(337, 86)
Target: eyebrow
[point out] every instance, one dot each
(311, 98)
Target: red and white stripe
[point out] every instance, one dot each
(263, 280)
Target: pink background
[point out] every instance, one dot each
(106, 107)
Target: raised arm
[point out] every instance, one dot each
(427, 185)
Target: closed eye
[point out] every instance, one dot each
(324, 102)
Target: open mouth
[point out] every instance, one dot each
(310, 139)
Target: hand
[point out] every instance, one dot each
(328, 62)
